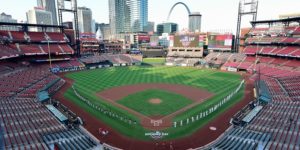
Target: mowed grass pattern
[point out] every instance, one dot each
(170, 102)
(93, 81)
(155, 61)
(89, 82)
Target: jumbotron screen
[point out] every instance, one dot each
(194, 40)
(143, 39)
(220, 42)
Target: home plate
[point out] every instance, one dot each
(213, 128)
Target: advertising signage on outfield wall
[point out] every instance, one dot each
(220, 42)
(187, 40)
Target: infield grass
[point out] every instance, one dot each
(140, 102)
(90, 82)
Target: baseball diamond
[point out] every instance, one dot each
(187, 96)
(139, 82)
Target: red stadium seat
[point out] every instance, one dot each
(56, 36)
(18, 36)
(37, 36)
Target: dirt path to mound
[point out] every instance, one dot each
(116, 93)
(200, 138)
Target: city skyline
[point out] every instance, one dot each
(225, 12)
(128, 15)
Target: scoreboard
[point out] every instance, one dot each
(143, 39)
(187, 40)
(220, 42)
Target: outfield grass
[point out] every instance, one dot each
(88, 83)
(154, 61)
(170, 102)
(185, 131)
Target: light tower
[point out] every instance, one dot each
(243, 11)
(73, 9)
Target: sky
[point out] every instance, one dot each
(217, 15)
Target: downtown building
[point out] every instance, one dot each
(167, 27)
(195, 22)
(128, 16)
(150, 27)
(7, 18)
(39, 16)
(105, 30)
(49, 5)
(85, 20)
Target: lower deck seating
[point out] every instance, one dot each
(67, 64)
(276, 126)
(32, 90)
(113, 58)
(291, 86)
(237, 138)
(24, 121)
(8, 51)
(224, 58)
(70, 139)
(281, 119)
(26, 77)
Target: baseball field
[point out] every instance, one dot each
(137, 100)
(154, 61)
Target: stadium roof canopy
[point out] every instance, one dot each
(284, 21)
(30, 25)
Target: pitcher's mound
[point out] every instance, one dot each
(155, 101)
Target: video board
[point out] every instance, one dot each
(220, 42)
(188, 40)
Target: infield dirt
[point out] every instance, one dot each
(200, 138)
(114, 94)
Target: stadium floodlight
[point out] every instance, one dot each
(253, 4)
(73, 10)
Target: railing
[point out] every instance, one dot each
(209, 111)
(105, 111)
